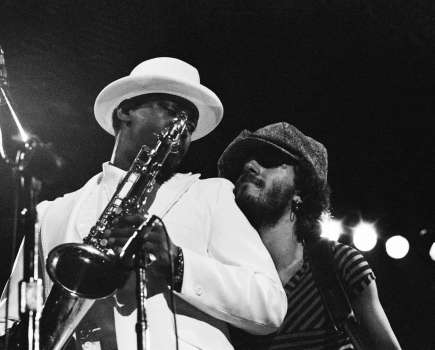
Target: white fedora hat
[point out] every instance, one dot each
(161, 75)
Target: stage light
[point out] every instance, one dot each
(397, 247)
(364, 236)
(423, 231)
(432, 251)
(330, 228)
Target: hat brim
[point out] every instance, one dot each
(233, 158)
(208, 104)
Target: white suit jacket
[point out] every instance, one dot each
(228, 274)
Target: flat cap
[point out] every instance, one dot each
(283, 137)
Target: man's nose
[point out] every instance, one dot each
(252, 166)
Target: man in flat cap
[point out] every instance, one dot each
(222, 272)
(280, 178)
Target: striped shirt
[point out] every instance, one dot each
(307, 324)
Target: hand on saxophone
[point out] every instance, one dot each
(156, 243)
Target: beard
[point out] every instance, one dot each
(265, 207)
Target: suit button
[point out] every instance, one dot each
(198, 290)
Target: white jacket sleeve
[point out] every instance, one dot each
(236, 281)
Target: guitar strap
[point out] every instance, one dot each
(320, 254)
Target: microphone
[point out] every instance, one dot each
(3, 71)
(42, 161)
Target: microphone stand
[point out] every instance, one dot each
(140, 261)
(28, 169)
(28, 188)
(142, 330)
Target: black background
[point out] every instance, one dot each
(357, 76)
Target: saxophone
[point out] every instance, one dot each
(84, 272)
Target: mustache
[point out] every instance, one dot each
(249, 177)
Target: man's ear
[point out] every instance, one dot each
(123, 116)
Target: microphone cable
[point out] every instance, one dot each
(171, 291)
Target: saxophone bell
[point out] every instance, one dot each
(86, 271)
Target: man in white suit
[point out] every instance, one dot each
(223, 273)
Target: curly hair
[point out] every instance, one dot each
(315, 195)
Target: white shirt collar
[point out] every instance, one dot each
(111, 175)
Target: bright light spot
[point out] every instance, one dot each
(2, 150)
(432, 251)
(365, 236)
(24, 136)
(423, 231)
(331, 228)
(397, 247)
